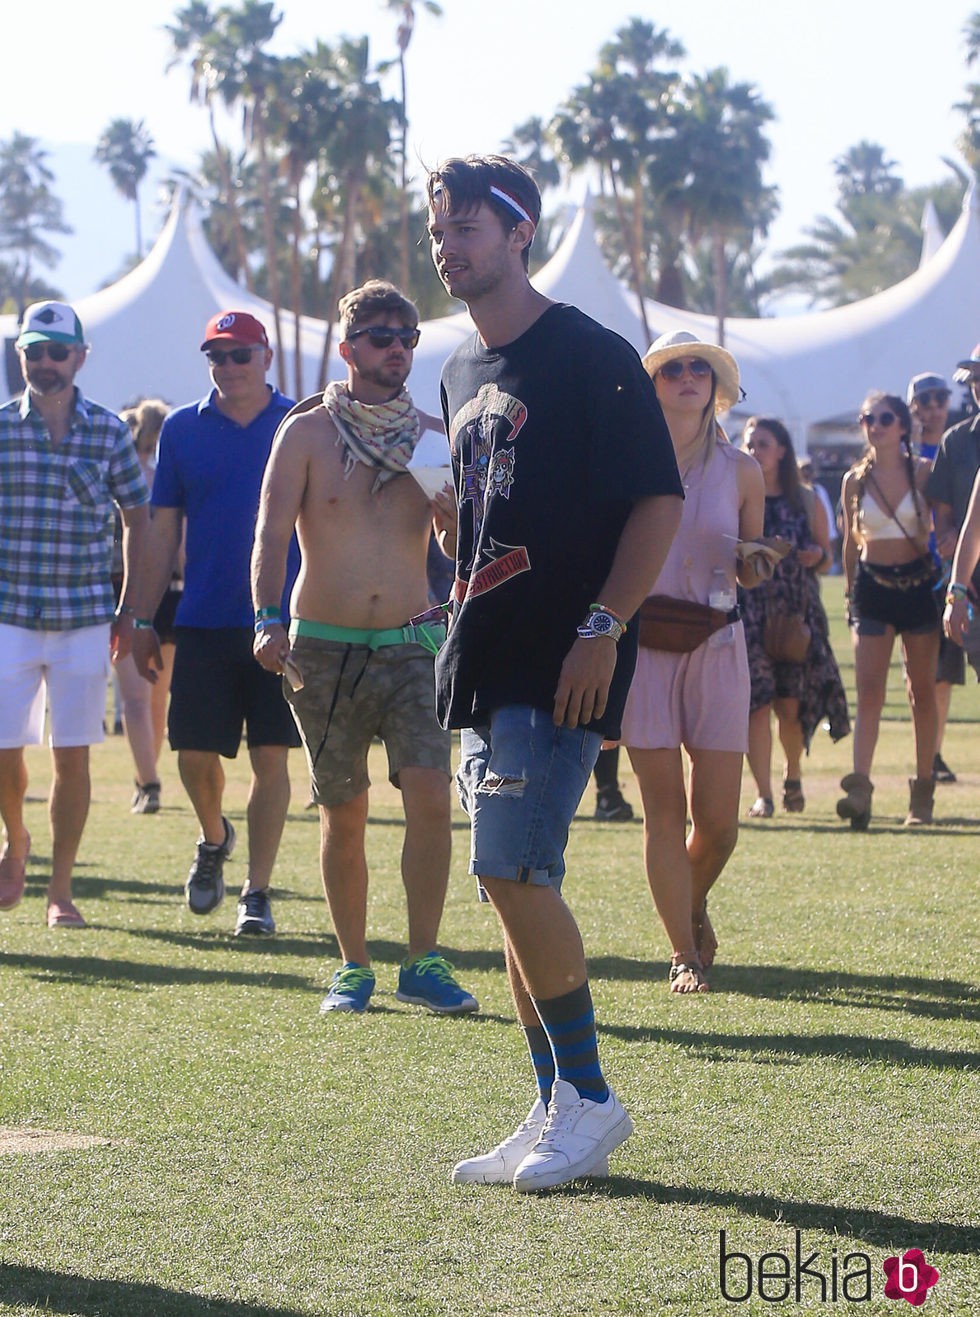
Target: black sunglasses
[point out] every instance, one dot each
(218, 356)
(884, 419)
(383, 337)
(673, 370)
(56, 351)
(932, 395)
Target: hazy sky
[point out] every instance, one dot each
(834, 72)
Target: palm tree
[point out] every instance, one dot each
(231, 63)
(405, 9)
(529, 145)
(715, 153)
(356, 147)
(971, 34)
(301, 121)
(126, 149)
(28, 211)
(190, 36)
(614, 120)
(873, 242)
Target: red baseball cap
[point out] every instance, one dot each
(235, 327)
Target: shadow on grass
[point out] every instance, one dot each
(966, 826)
(880, 1229)
(789, 1049)
(122, 973)
(139, 974)
(935, 999)
(55, 1292)
(322, 945)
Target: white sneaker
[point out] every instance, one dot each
(499, 1165)
(577, 1138)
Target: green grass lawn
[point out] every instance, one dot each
(257, 1158)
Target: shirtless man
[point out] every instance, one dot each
(337, 473)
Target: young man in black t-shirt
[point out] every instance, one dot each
(568, 498)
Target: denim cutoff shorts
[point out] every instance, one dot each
(520, 781)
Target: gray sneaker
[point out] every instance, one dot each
(205, 886)
(146, 798)
(255, 914)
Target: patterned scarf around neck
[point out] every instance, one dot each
(382, 434)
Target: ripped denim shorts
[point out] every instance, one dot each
(520, 781)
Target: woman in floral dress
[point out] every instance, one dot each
(802, 695)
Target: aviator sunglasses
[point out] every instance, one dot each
(218, 356)
(884, 419)
(673, 370)
(383, 337)
(927, 396)
(56, 351)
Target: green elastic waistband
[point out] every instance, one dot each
(427, 634)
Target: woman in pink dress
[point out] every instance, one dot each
(698, 700)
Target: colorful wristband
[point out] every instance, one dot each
(271, 612)
(142, 624)
(954, 589)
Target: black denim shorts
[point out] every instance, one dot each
(901, 596)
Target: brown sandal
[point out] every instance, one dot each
(689, 965)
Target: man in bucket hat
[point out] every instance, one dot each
(66, 464)
(209, 471)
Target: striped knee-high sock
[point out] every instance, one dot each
(569, 1022)
(542, 1058)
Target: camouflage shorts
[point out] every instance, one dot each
(350, 695)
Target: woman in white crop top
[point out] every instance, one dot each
(890, 575)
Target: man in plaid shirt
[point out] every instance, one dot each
(66, 463)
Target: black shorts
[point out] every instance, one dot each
(217, 687)
(901, 597)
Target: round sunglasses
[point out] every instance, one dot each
(673, 370)
(382, 337)
(883, 419)
(56, 351)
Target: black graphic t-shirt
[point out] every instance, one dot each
(553, 438)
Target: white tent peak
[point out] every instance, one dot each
(933, 236)
(146, 328)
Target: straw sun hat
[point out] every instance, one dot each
(680, 343)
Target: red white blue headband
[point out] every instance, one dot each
(512, 202)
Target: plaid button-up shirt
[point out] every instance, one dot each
(57, 514)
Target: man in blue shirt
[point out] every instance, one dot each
(209, 471)
(66, 464)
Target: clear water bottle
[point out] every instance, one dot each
(721, 594)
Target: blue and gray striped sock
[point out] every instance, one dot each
(569, 1022)
(542, 1058)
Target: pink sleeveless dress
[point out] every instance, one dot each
(699, 700)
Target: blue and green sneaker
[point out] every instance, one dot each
(350, 989)
(428, 981)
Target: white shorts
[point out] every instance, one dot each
(71, 668)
